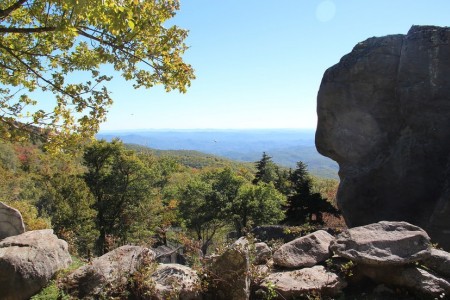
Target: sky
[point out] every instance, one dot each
(259, 63)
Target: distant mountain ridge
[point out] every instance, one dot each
(286, 146)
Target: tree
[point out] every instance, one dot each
(204, 203)
(198, 211)
(126, 206)
(46, 46)
(67, 201)
(266, 170)
(256, 205)
(305, 206)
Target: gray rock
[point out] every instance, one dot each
(383, 116)
(306, 251)
(383, 243)
(439, 261)
(11, 222)
(315, 281)
(262, 253)
(174, 281)
(410, 277)
(229, 273)
(28, 261)
(107, 275)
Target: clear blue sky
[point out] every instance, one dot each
(259, 63)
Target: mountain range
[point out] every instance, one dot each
(285, 146)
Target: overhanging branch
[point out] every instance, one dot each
(5, 12)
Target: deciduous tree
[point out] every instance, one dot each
(56, 50)
(122, 187)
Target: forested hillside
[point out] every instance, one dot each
(109, 194)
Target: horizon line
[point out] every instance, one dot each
(206, 129)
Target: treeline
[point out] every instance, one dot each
(108, 195)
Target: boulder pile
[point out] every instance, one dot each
(377, 259)
(391, 255)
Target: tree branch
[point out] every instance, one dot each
(36, 73)
(26, 30)
(116, 47)
(5, 12)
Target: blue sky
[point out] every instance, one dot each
(259, 63)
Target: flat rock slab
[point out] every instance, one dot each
(305, 281)
(28, 261)
(174, 281)
(11, 222)
(383, 243)
(306, 251)
(107, 274)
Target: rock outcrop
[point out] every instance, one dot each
(28, 261)
(383, 115)
(107, 275)
(11, 222)
(306, 251)
(383, 243)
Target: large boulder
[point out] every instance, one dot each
(174, 281)
(383, 243)
(107, 275)
(306, 251)
(315, 281)
(383, 115)
(11, 222)
(28, 261)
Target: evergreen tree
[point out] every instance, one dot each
(305, 206)
(266, 170)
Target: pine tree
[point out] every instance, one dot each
(304, 206)
(266, 170)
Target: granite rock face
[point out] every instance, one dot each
(11, 222)
(383, 115)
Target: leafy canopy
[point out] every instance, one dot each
(45, 45)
